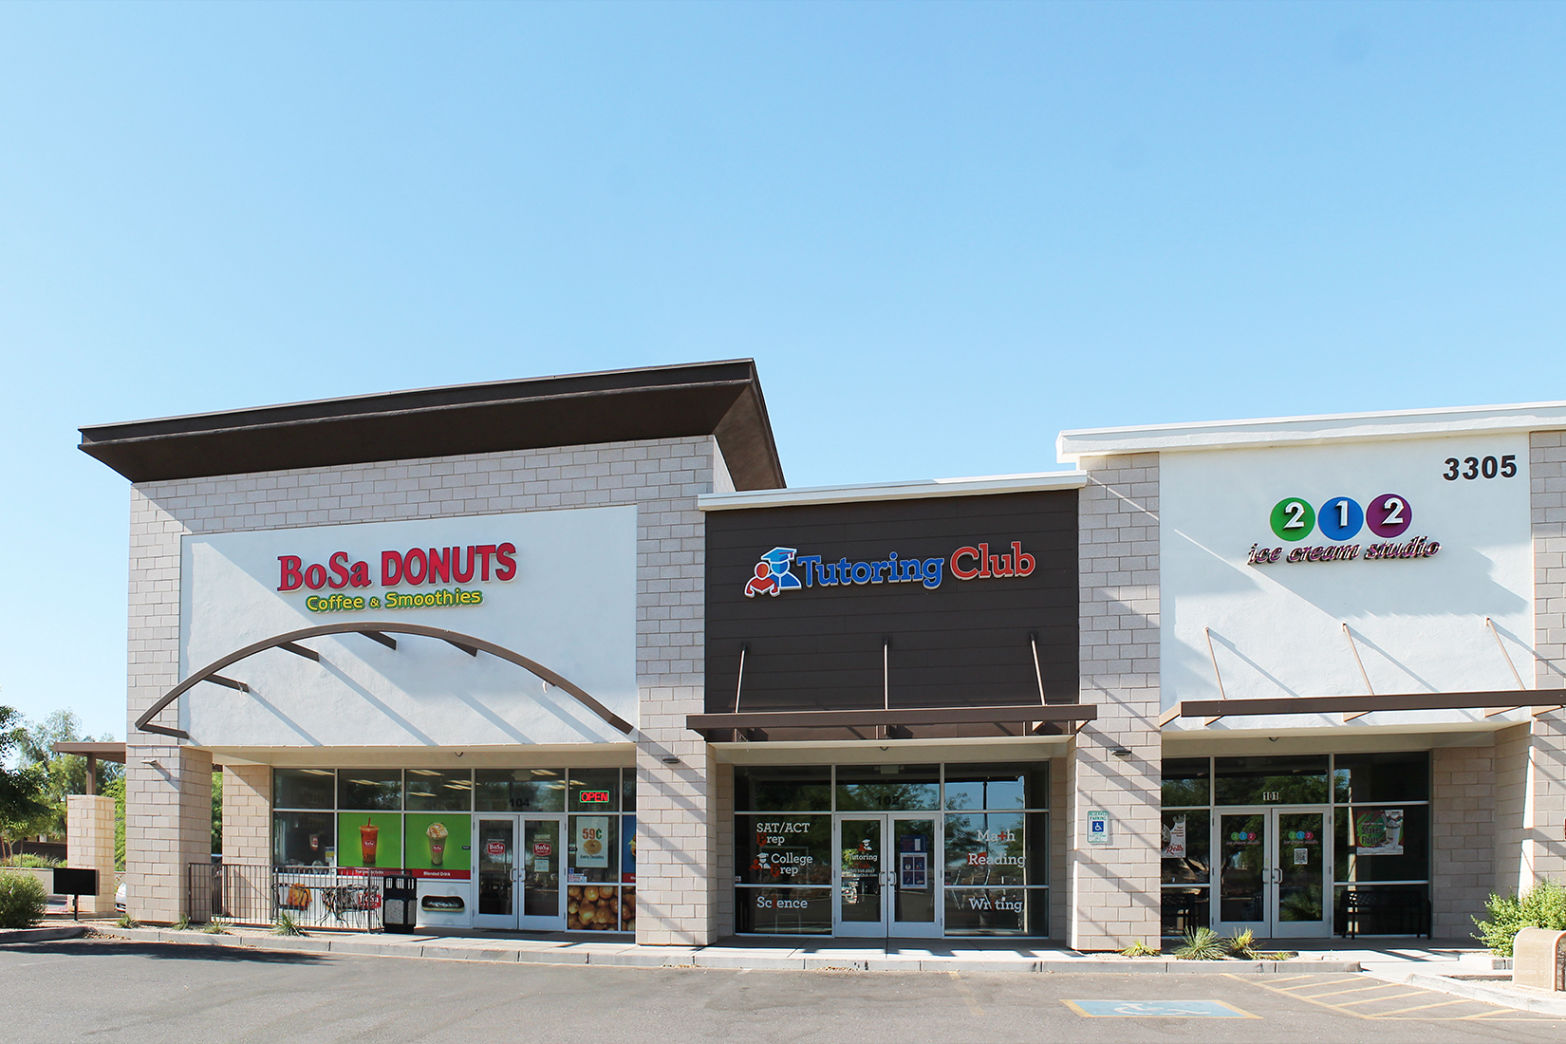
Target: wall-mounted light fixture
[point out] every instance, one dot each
(1121, 752)
(670, 759)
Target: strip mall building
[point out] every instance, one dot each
(569, 652)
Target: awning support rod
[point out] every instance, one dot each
(299, 650)
(1515, 674)
(1038, 673)
(1208, 631)
(740, 681)
(1369, 690)
(884, 731)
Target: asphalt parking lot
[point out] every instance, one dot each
(114, 990)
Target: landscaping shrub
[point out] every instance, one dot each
(22, 901)
(1202, 944)
(1543, 907)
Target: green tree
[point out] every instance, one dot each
(64, 774)
(115, 789)
(22, 808)
(217, 811)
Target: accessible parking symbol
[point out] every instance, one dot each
(1180, 1009)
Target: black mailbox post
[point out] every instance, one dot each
(399, 905)
(75, 882)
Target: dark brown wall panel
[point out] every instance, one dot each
(963, 643)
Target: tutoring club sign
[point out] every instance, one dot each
(775, 571)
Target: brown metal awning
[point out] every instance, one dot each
(94, 751)
(1212, 710)
(377, 632)
(882, 723)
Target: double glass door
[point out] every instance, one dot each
(886, 875)
(1272, 872)
(520, 882)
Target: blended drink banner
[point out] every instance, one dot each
(371, 840)
(438, 844)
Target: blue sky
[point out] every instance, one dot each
(944, 231)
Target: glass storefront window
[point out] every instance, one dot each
(1387, 843)
(1271, 781)
(594, 790)
(1382, 910)
(1381, 777)
(997, 786)
(592, 857)
(1183, 910)
(1187, 781)
(370, 789)
(593, 849)
(997, 911)
(520, 790)
(302, 788)
(888, 788)
(437, 790)
(783, 911)
(991, 849)
(628, 790)
(778, 849)
(765, 788)
(304, 838)
(595, 908)
(1186, 847)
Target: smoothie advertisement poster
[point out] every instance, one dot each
(369, 840)
(438, 844)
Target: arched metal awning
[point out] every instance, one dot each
(378, 632)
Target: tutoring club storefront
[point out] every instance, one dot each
(568, 654)
(892, 675)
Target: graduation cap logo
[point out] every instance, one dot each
(772, 574)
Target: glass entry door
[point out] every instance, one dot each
(520, 884)
(1272, 872)
(886, 876)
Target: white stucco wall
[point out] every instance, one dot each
(568, 603)
(1277, 629)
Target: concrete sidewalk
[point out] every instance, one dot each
(770, 955)
(1456, 967)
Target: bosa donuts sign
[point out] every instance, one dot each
(416, 567)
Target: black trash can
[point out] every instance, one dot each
(399, 904)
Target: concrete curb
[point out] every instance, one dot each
(732, 959)
(1520, 997)
(27, 935)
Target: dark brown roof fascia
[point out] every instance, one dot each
(722, 399)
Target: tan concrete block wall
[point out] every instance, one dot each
(1462, 843)
(1510, 773)
(168, 827)
(661, 478)
(1544, 823)
(247, 813)
(1059, 848)
(1114, 888)
(89, 844)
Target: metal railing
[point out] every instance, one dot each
(255, 893)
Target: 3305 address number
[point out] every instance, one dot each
(1480, 467)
